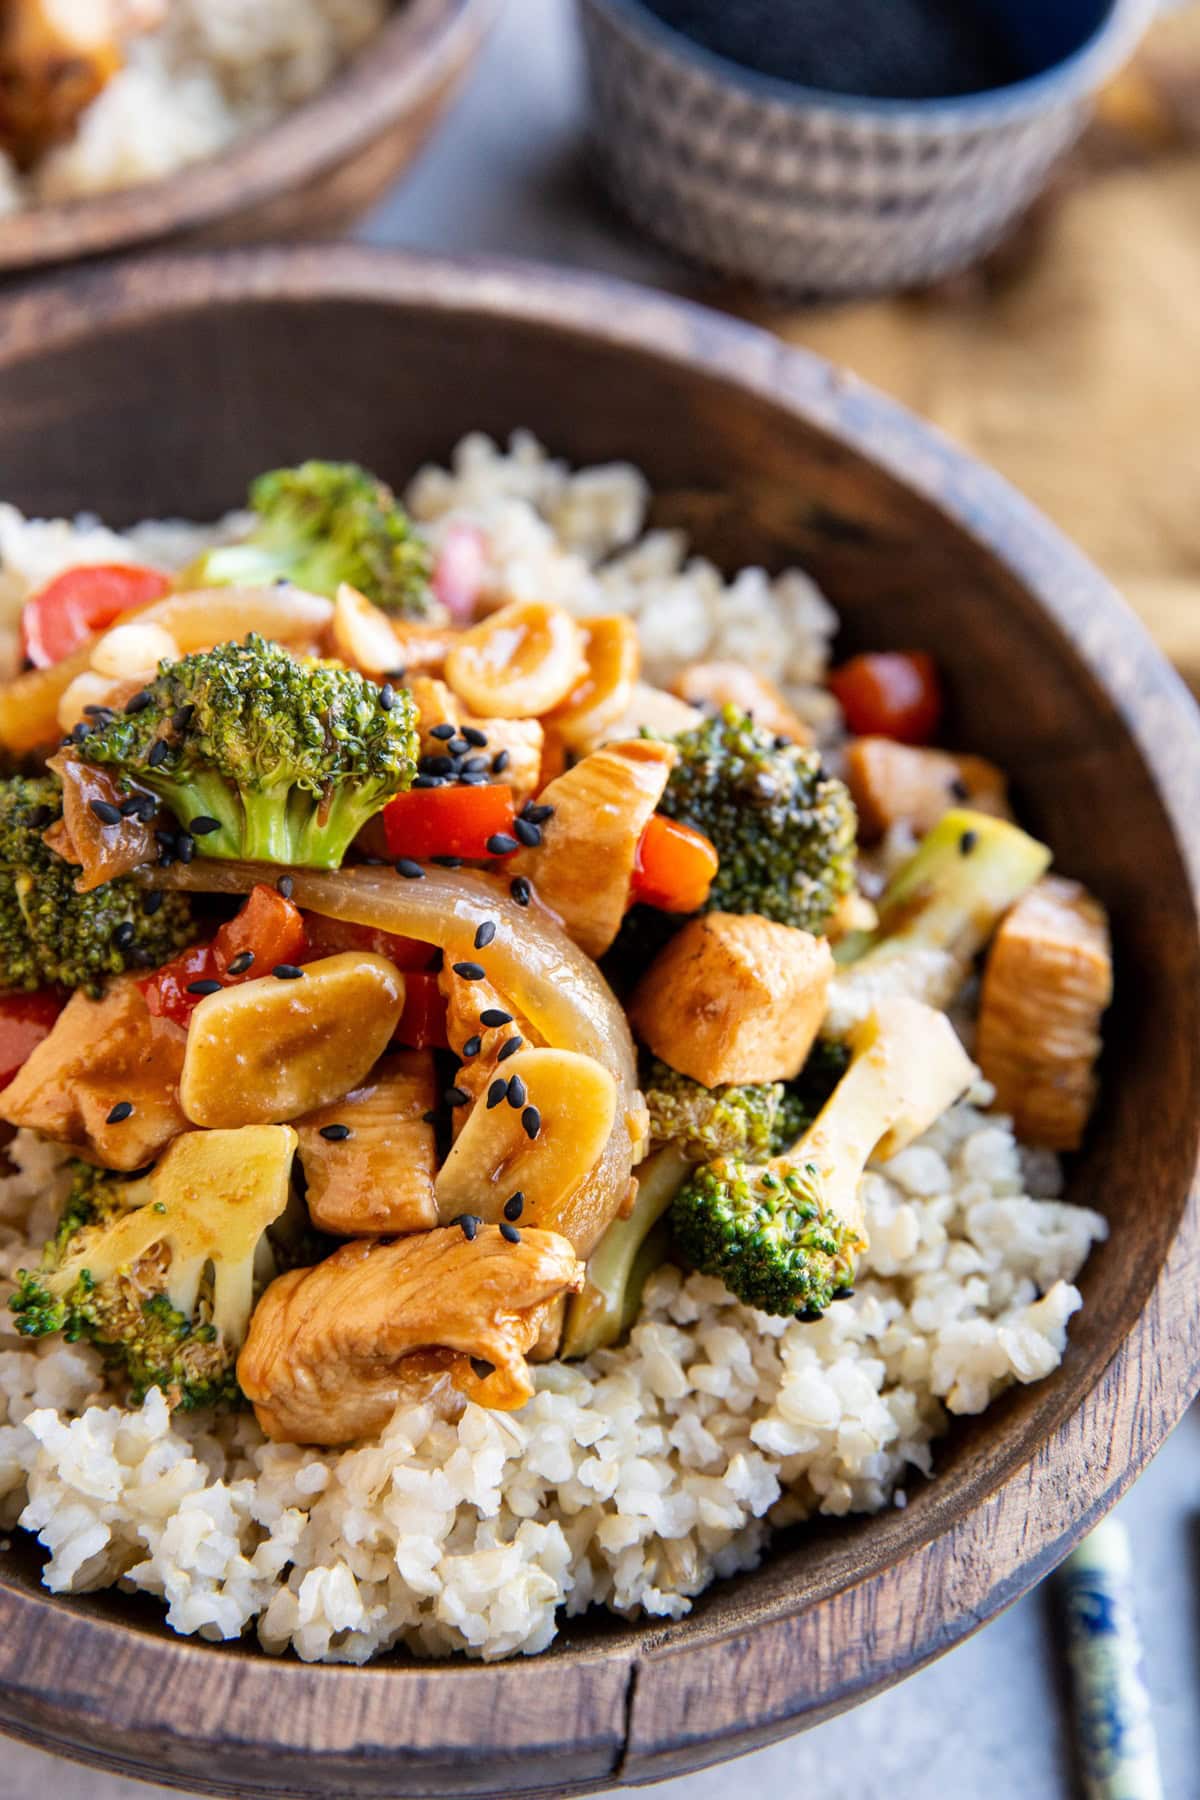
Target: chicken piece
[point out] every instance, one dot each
(655, 710)
(718, 684)
(895, 784)
(521, 740)
(734, 998)
(333, 1350)
(1046, 986)
(55, 57)
(102, 1053)
(583, 867)
(379, 1177)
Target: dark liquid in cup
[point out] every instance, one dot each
(884, 49)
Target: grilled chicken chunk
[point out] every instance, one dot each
(520, 741)
(1046, 986)
(333, 1350)
(734, 998)
(583, 867)
(895, 784)
(100, 1054)
(379, 1176)
(717, 684)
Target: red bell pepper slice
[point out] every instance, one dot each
(268, 928)
(890, 693)
(673, 867)
(327, 936)
(448, 821)
(64, 614)
(25, 1021)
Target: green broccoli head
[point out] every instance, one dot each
(707, 1122)
(160, 1271)
(52, 936)
(324, 523)
(290, 758)
(128, 1316)
(768, 1234)
(783, 828)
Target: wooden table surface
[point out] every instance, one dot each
(508, 175)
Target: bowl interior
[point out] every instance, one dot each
(158, 394)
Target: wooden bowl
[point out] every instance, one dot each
(161, 387)
(313, 171)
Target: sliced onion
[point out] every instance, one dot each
(104, 852)
(544, 976)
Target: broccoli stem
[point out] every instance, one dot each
(624, 1259)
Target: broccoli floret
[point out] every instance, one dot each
(625, 1258)
(784, 1236)
(321, 524)
(707, 1122)
(783, 828)
(291, 758)
(51, 936)
(159, 1273)
(935, 915)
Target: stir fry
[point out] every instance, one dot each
(410, 979)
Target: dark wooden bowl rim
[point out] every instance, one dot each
(635, 1704)
(414, 55)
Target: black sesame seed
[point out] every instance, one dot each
(473, 781)
(485, 934)
(516, 1091)
(447, 862)
(395, 676)
(429, 1118)
(810, 1315)
(496, 1093)
(537, 815)
(387, 696)
(286, 886)
(529, 834)
(472, 1047)
(508, 1048)
(472, 765)
(846, 1293)
(98, 712)
(140, 701)
(122, 937)
(510, 1234)
(457, 1096)
(335, 1134)
(183, 718)
(531, 1119)
(469, 971)
(185, 846)
(206, 986)
(106, 812)
(458, 746)
(286, 972)
(151, 904)
(157, 753)
(205, 824)
(443, 731)
(427, 781)
(967, 842)
(520, 890)
(515, 1206)
(166, 858)
(476, 738)
(468, 1224)
(501, 844)
(500, 762)
(121, 1111)
(436, 765)
(411, 871)
(39, 818)
(240, 963)
(130, 808)
(493, 1015)
(80, 732)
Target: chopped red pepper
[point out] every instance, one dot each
(448, 821)
(327, 936)
(267, 930)
(423, 1022)
(25, 1021)
(890, 693)
(63, 615)
(673, 867)
(459, 570)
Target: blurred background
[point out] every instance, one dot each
(1028, 278)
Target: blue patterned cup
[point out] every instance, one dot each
(816, 193)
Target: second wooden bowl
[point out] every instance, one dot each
(160, 388)
(313, 171)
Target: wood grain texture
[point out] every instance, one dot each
(313, 171)
(768, 455)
